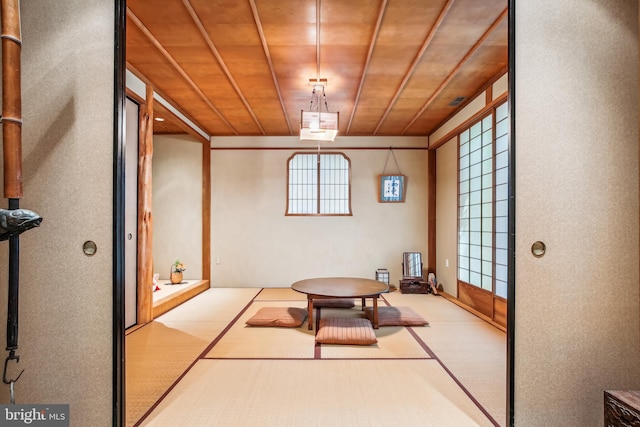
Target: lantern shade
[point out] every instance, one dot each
(318, 125)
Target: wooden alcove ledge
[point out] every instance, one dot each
(186, 292)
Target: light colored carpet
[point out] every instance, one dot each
(396, 378)
(393, 342)
(242, 341)
(431, 307)
(300, 393)
(215, 304)
(257, 342)
(159, 352)
(471, 348)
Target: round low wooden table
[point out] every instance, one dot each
(341, 287)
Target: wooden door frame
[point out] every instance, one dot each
(118, 214)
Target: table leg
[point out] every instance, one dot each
(310, 312)
(364, 303)
(375, 313)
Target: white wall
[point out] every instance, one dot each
(258, 245)
(576, 308)
(177, 204)
(447, 216)
(66, 298)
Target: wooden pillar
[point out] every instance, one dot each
(206, 210)
(431, 208)
(145, 220)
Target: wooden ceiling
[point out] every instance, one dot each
(242, 67)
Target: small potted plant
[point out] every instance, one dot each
(176, 272)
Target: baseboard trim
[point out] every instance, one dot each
(472, 311)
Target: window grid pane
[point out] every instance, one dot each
(334, 184)
(482, 218)
(306, 183)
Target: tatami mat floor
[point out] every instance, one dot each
(200, 365)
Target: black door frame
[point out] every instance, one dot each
(119, 97)
(118, 215)
(511, 269)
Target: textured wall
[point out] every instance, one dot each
(65, 340)
(177, 204)
(259, 246)
(447, 216)
(577, 330)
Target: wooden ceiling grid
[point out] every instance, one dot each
(242, 67)
(158, 69)
(433, 98)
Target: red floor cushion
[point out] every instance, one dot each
(290, 317)
(334, 302)
(345, 330)
(396, 316)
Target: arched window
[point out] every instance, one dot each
(318, 184)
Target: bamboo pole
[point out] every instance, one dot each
(12, 151)
(11, 99)
(145, 219)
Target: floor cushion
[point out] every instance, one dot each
(396, 316)
(334, 302)
(291, 317)
(345, 330)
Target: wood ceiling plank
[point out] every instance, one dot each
(169, 24)
(488, 60)
(167, 128)
(365, 68)
(223, 12)
(276, 85)
(214, 50)
(208, 73)
(341, 12)
(443, 85)
(286, 12)
(299, 34)
(233, 35)
(283, 55)
(131, 18)
(404, 30)
(347, 34)
(418, 57)
(237, 28)
(268, 52)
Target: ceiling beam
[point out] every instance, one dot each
(416, 60)
(372, 44)
(267, 54)
(179, 69)
(223, 65)
(451, 75)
